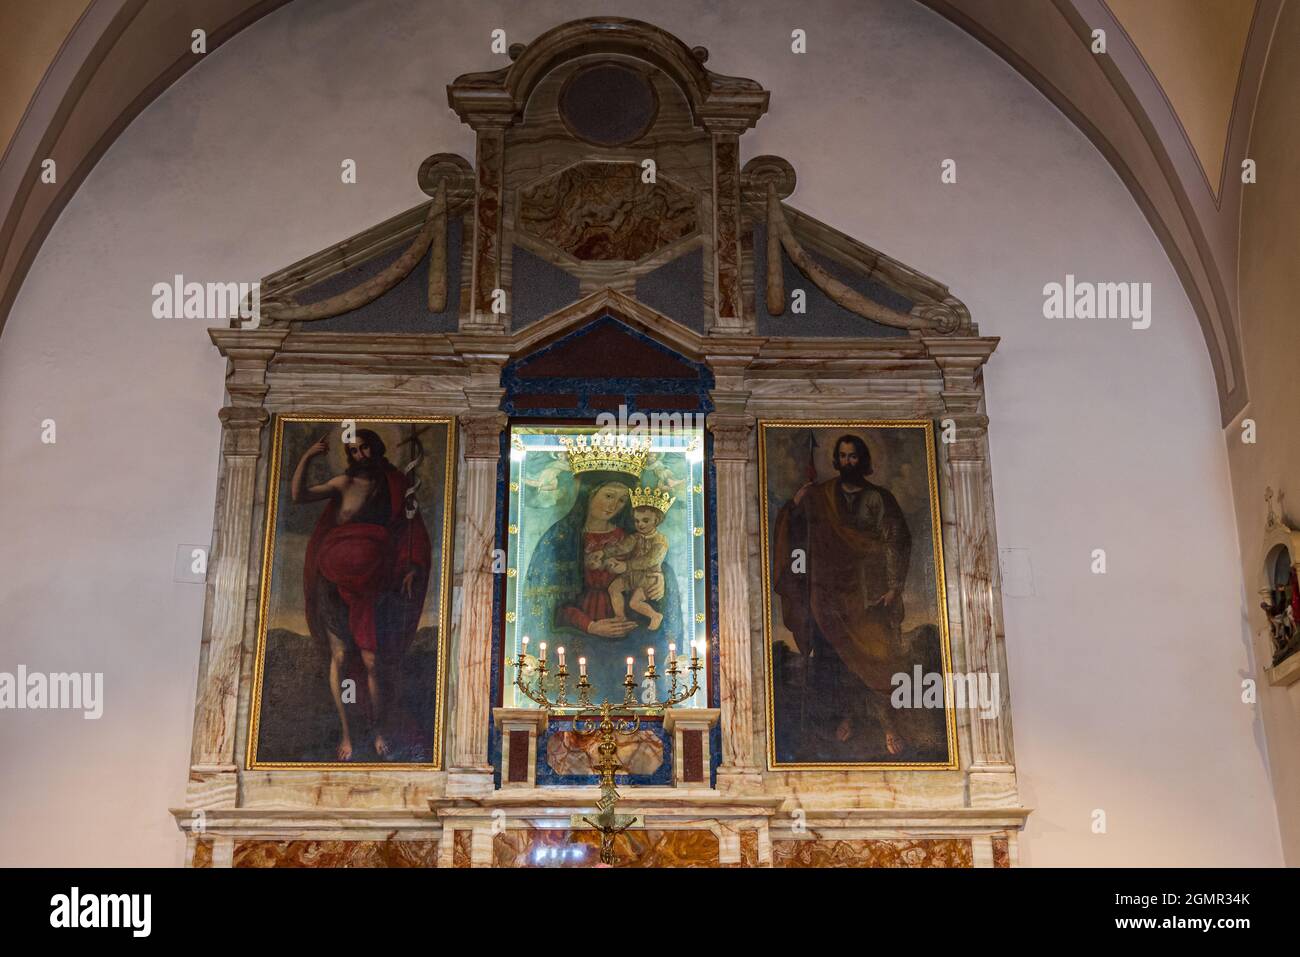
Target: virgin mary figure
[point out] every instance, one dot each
(566, 600)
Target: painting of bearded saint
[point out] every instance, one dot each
(353, 603)
(854, 594)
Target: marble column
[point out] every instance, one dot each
(213, 780)
(469, 772)
(731, 436)
(991, 769)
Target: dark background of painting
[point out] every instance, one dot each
(899, 464)
(297, 720)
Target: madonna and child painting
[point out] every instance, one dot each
(606, 553)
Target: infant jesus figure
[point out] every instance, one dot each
(638, 559)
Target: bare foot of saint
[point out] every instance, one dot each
(844, 729)
(656, 619)
(381, 746)
(894, 744)
(345, 749)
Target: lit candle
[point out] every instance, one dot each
(560, 652)
(672, 653)
(650, 653)
(525, 643)
(541, 651)
(629, 666)
(582, 667)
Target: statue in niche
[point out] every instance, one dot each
(1281, 606)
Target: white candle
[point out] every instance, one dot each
(629, 666)
(525, 642)
(541, 653)
(560, 652)
(582, 667)
(650, 653)
(672, 653)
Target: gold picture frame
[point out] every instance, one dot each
(439, 528)
(832, 428)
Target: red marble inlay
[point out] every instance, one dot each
(462, 849)
(692, 756)
(727, 224)
(336, 854)
(1001, 852)
(866, 853)
(518, 770)
(202, 854)
(487, 222)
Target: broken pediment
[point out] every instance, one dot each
(607, 157)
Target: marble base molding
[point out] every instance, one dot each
(536, 828)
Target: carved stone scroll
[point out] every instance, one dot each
(775, 275)
(765, 181)
(438, 254)
(448, 179)
(925, 316)
(372, 288)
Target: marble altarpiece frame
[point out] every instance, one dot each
(429, 313)
(627, 380)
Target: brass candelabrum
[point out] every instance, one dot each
(608, 721)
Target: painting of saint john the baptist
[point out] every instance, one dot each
(351, 657)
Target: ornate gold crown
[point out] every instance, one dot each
(652, 498)
(606, 453)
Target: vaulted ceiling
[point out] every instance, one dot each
(1169, 105)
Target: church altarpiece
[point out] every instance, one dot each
(606, 390)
